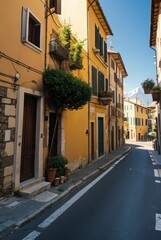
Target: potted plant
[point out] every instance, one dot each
(156, 93)
(59, 162)
(66, 172)
(65, 35)
(64, 91)
(52, 169)
(148, 85)
(75, 55)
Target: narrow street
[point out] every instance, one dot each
(124, 203)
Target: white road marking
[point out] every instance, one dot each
(158, 222)
(156, 174)
(33, 235)
(157, 181)
(153, 163)
(69, 203)
(117, 162)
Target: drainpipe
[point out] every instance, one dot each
(46, 30)
(88, 55)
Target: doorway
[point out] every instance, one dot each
(28, 138)
(92, 140)
(100, 137)
(55, 148)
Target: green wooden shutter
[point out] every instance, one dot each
(94, 81)
(100, 137)
(106, 84)
(97, 38)
(105, 51)
(100, 81)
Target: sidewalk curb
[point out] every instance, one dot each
(47, 205)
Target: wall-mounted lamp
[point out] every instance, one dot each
(17, 76)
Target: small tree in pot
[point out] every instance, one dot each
(65, 92)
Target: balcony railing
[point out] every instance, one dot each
(56, 49)
(105, 97)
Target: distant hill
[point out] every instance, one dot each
(137, 95)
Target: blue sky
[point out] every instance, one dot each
(130, 24)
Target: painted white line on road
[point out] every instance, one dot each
(156, 174)
(158, 222)
(154, 163)
(33, 235)
(117, 162)
(69, 203)
(157, 181)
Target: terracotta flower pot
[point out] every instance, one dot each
(56, 181)
(147, 90)
(156, 95)
(66, 172)
(51, 173)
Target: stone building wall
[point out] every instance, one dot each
(8, 98)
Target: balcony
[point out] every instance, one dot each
(57, 50)
(105, 97)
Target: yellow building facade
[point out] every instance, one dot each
(72, 138)
(26, 118)
(116, 74)
(90, 123)
(137, 117)
(22, 33)
(98, 30)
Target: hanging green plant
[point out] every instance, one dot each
(65, 34)
(75, 50)
(75, 55)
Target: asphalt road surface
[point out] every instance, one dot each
(124, 203)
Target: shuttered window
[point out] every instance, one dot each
(106, 84)
(31, 28)
(101, 45)
(100, 81)
(105, 51)
(97, 38)
(94, 81)
(57, 5)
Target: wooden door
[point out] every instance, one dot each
(100, 137)
(112, 139)
(92, 140)
(28, 138)
(54, 151)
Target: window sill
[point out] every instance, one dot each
(35, 48)
(101, 60)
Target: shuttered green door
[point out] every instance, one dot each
(100, 137)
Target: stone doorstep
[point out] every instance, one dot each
(35, 189)
(30, 183)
